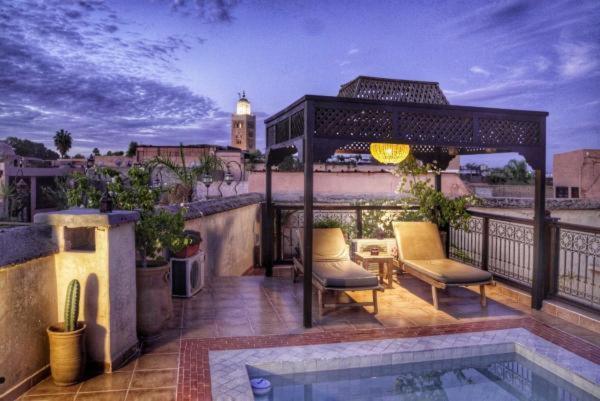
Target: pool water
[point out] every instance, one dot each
(503, 377)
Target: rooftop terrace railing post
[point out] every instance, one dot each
(278, 236)
(309, 114)
(553, 241)
(359, 222)
(485, 242)
(268, 222)
(539, 283)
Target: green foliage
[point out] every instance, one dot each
(189, 238)
(27, 148)
(131, 150)
(378, 222)
(57, 193)
(96, 152)
(7, 193)
(515, 172)
(157, 228)
(328, 222)
(431, 205)
(189, 175)
(72, 305)
(83, 191)
(78, 156)
(63, 142)
(333, 222)
(290, 163)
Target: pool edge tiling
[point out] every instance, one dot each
(229, 369)
(231, 383)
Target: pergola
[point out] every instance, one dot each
(416, 113)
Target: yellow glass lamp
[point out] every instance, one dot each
(389, 153)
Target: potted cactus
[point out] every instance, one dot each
(67, 345)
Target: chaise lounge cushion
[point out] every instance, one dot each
(343, 274)
(448, 271)
(332, 266)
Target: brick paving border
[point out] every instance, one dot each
(194, 371)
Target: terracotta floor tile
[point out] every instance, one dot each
(104, 396)
(206, 330)
(49, 397)
(163, 346)
(151, 395)
(234, 330)
(154, 378)
(157, 361)
(47, 386)
(106, 382)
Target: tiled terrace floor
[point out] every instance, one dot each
(239, 312)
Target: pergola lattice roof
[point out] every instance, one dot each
(417, 113)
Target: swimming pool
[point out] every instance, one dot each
(476, 365)
(503, 377)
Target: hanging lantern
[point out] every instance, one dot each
(389, 153)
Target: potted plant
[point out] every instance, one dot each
(156, 229)
(432, 205)
(186, 246)
(67, 346)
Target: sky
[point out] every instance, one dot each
(164, 72)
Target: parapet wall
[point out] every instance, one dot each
(230, 228)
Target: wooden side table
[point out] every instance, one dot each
(385, 261)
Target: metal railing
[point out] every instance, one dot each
(502, 245)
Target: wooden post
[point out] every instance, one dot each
(308, 211)
(278, 235)
(540, 276)
(268, 223)
(438, 182)
(359, 223)
(485, 244)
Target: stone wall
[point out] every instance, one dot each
(365, 184)
(230, 229)
(27, 306)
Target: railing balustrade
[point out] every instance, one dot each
(502, 245)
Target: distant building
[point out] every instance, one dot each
(243, 126)
(577, 174)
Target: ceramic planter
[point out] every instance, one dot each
(154, 303)
(67, 354)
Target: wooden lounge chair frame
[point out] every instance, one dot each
(436, 284)
(298, 270)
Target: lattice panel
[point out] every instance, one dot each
(429, 128)
(508, 132)
(344, 123)
(297, 121)
(282, 131)
(394, 90)
(271, 135)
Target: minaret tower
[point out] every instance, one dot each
(243, 126)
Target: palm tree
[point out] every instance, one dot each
(63, 142)
(517, 172)
(188, 175)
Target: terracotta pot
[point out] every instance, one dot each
(67, 354)
(154, 303)
(188, 251)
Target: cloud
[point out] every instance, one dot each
(577, 59)
(498, 91)
(353, 51)
(210, 11)
(479, 71)
(62, 66)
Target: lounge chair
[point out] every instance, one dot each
(332, 269)
(421, 254)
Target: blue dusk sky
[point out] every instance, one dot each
(164, 72)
